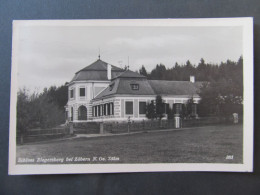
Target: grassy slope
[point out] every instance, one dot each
(196, 145)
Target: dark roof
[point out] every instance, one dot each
(96, 71)
(130, 74)
(100, 65)
(162, 87)
(93, 75)
(122, 86)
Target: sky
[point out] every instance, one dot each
(50, 55)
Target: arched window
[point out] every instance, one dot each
(82, 113)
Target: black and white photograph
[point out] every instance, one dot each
(97, 96)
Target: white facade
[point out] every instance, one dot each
(117, 104)
(92, 89)
(119, 112)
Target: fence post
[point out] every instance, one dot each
(177, 122)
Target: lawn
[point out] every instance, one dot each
(209, 144)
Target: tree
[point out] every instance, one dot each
(143, 71)
(201, 64)
(50, 115)
(170, 113)
(221, 98)
(187, 108)
(151, 112)
(156, 109)
(208, 103)
(203, 72)
(160, 107)
(58, 95)
(158, 72)
(23, 111)
(188, 64)
(42, 110)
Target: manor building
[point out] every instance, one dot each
(103, 92)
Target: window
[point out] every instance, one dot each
(111, 86)
(82, 92)
(128, 107)
(135, 86)
(164, 108)
(71, 93)
(101, 109)
(96, 111)
(178, 108)
(142, 107)
(167, 108)
(108, 109)
(111, 108)
(99, 113)
(105, 109)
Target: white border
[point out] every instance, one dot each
(247, 166)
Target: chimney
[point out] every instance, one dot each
(192, 79)
(109, 71)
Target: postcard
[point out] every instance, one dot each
(139, 95)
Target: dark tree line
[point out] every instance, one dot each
(223, 95)
(222, 91)
(202, 72)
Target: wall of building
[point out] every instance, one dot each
(120, 106)
(77, 100)
(118, 102)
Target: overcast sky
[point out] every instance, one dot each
(49, 55)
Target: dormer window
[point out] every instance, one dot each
(111, 86)
(135, 86)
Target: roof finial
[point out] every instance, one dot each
(128, 62)
(99, 53)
